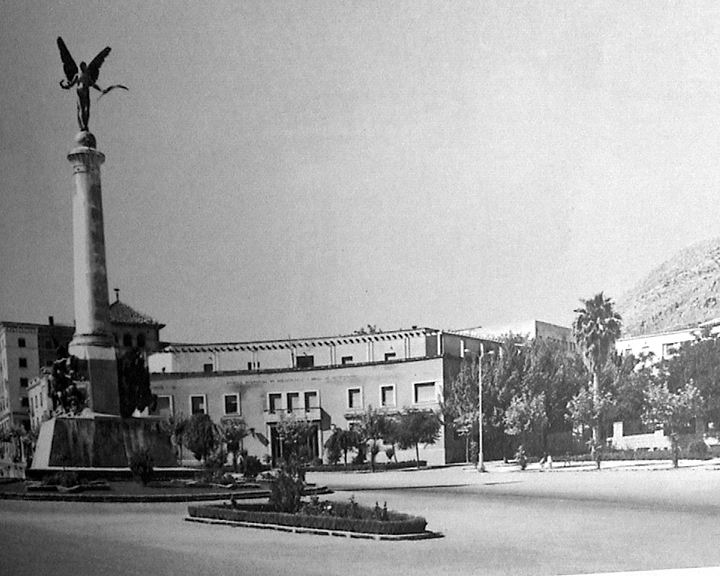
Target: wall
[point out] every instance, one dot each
(654, 441)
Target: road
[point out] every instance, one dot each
(498, 523)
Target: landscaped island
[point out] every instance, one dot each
(318, 515)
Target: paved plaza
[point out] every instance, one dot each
(565, 521)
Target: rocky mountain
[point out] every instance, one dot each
(683, 291)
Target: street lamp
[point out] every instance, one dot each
(480, 462)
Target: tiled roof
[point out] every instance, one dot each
(300, 342)
(121, 313)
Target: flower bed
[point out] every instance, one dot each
(396, 523)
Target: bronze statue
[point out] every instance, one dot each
(84, 79)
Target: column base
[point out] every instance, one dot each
(98, 365)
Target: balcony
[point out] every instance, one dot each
(312, 414)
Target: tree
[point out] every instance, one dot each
(341, 442)
(503, 377)
(370, 329)
(459, 405)
(201, 436)
(526, 415)
(596, 329)
(287, 488)
(296, 435)
(417, 427)
(176, 425)
(555, 374)
(698, 362)
(671, 410)
(371, 429)
(134, 383)
(232, 433)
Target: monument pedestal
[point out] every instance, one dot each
(99, 441)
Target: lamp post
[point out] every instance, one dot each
(481, 462)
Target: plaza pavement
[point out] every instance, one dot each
(571, 520)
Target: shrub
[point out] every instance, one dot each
(252, 466)
(390, 453)
(697, 449)
(64, 479)
(286, 491)
(142, 466)
(216, 461)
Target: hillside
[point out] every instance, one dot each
(684, 290)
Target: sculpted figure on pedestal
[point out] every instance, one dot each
(83, 79)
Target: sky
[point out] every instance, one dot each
(292, 169)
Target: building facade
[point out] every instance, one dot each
(663, 345)
(328, 381)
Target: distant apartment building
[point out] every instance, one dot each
(535, 329)
(662, 345)
(329, 381)
(27, 348)
(24, 349)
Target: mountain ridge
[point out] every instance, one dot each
(683, 291)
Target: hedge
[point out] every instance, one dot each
(397, 524)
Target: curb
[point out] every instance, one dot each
(140, 498)
(147, 498)
(427, 535)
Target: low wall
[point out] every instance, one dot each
(654, 441)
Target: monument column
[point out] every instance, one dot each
(93, 342)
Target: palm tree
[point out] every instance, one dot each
(596, 329)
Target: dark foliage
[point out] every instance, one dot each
(142, 466)
(134, 383)
(200, 436)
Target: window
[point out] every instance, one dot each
(293, 401)
(232, 403)
(250, 366)
(311, 400)
(207, 367)
(424, 392)
(21, 343)
(127, 340)
(22, 362)
(23, 382)
(669, 349)
(24, 402)
(389, 356)
(354, 398)
(305, 361)
(347, 360)
(197, 404)
(387, 395)
(164, 406)
(141, 340)
(274, 402)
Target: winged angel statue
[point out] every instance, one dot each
(83, 79)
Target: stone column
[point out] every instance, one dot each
(93, 343)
